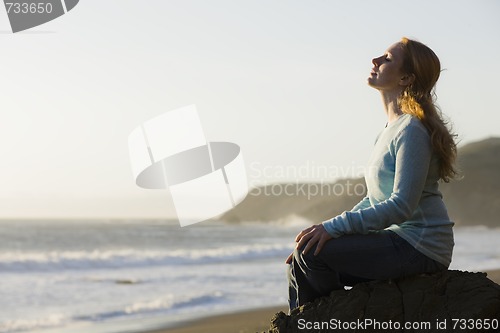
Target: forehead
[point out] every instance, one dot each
(395, 49)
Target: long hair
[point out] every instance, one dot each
(418, 99)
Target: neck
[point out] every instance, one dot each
(391, 107)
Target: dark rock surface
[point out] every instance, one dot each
(452, 301)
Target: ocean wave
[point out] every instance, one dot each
(168, 302)
(19, 325)
(37, 261)
(161, 304)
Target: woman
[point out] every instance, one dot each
(401, 227)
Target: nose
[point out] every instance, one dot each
(376, 61)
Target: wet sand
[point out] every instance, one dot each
(241, 322)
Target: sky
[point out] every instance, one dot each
(285, 80)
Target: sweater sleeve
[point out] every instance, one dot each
(364, 203)
(413, 153)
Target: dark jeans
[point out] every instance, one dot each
(351, 259)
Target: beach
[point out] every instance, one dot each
(141, 276)
(240, 322)
(247, 321)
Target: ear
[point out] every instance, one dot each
(406, 80)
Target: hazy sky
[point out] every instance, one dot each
(283, 79)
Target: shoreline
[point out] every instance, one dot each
(247, 321)
(250, 321)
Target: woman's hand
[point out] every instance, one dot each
(310, 236)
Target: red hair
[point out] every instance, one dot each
(418, 99)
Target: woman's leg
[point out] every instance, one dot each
(351, 259)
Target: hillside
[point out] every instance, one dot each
(473, 199)
(278, 201)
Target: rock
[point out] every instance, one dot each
(451, 301)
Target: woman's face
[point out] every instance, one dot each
(387, 72)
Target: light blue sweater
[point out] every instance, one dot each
(403, 196)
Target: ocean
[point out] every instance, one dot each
(127, 276)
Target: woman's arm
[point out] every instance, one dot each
(364, 203)
(413, 154)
